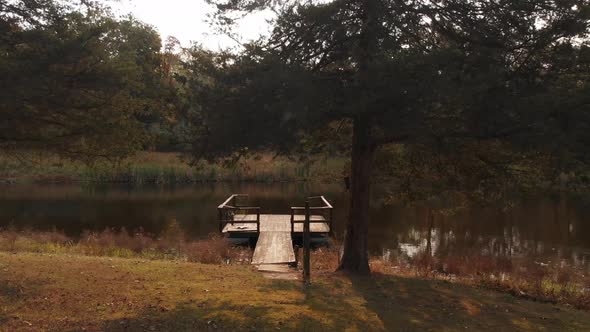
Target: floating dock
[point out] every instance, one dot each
(273, 233)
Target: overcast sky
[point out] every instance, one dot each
(187, 21)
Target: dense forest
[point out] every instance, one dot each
(457, 100)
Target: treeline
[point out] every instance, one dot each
(80, 82)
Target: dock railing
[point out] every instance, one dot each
(321, 207)
(228, 210)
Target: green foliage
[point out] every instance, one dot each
(77, 81)
(491, 95)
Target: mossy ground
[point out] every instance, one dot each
(41, 292)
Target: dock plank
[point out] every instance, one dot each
(275, 223)
(274, 248)
(313, 228)
(275, 243)
(245, 223)
(275, 268)
(239, 227)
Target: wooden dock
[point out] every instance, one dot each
(274, 233)
(246, 224)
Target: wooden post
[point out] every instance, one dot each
(258, 220)
(331, 220)
(292, 221)
(220, 213)
(306, 246)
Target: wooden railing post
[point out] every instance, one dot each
(258, 220)
(292, 221)
(306, 246)
(331, 220)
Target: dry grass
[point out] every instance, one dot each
(555, 283)
(525, 278)
(325, 259)
(216, 251)
(165, 168)
(169, 245)
(41, 292)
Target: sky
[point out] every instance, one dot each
(187, 21)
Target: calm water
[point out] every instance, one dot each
(555, 228)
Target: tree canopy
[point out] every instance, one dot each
(77, 81)
(466, 89)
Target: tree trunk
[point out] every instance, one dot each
(355, 256)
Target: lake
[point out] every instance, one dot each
(544, 229)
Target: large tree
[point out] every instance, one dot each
(76, 80)
(503, 83)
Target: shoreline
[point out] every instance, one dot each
(522, 279)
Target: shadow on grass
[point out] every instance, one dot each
(11, 295)
(207, 315)
(339, 302)
(10, 292)
(314, 308)
(407, 304)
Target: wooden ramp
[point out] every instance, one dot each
(274, 245)
(279, 271)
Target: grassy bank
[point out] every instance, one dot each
(165, 168)
(41, 292)
(521, 277)
(170, 245)
(554, 283)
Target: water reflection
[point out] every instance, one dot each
(74, 209)
(546, 229)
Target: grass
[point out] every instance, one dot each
(525, 279)
(42, 292)
(165, 168)
(170, 245)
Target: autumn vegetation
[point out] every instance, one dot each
(167, 168)
(170, 245)
(522, 278)
(446, 104)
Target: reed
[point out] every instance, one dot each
(167, 168)
(171, 245)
